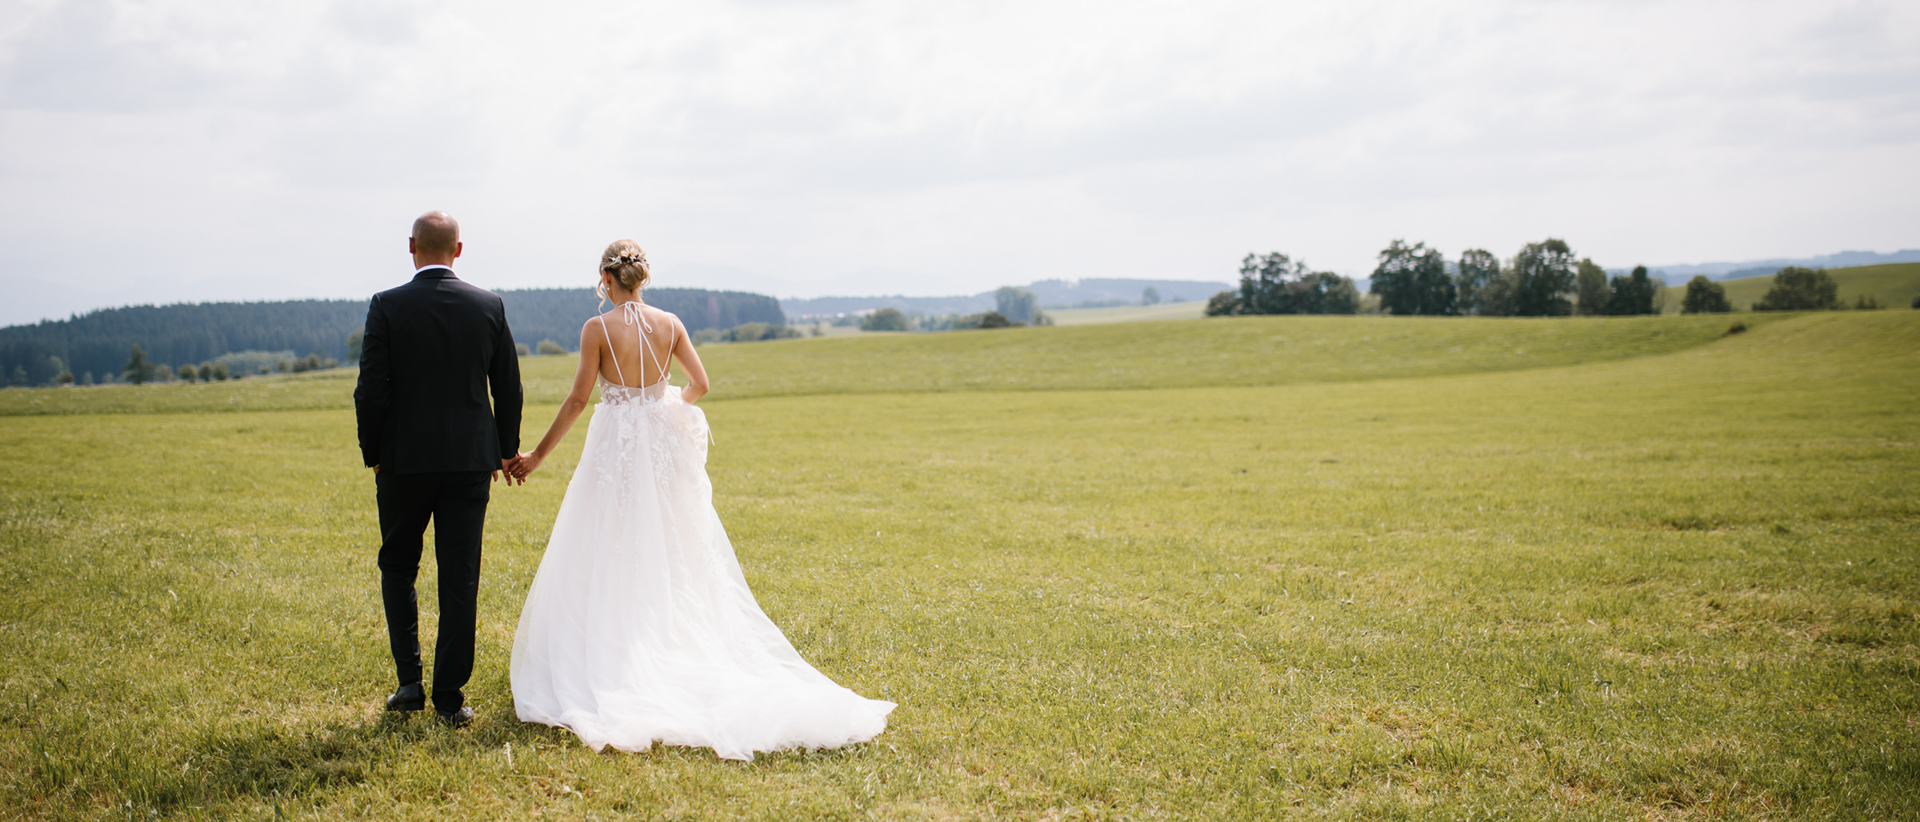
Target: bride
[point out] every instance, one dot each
(639, 626)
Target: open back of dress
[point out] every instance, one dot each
(639, 626)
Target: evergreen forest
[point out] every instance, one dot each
(97, 344)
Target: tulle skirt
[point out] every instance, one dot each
(639, 626)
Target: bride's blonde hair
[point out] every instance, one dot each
(627, 263)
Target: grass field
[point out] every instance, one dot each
(1894, 285)
(1353, 568)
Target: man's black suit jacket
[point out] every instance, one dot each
(433, 348)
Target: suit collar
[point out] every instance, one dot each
(434, 272)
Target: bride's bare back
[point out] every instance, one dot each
(638, 343)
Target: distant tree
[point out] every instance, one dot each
(993, 319)
(1150, 296)
(757, 331)
(1635, 293)
(187, 373)
(1705, 296)
(1223, 304)
(890, 319)
(549, 348)
(1018, 305)
(61, 376)
(1800, 289)
(220, 371)
(521, 349)
(1867, 302)
(206, 372)
(1543, 279)
(19, 376)
(1276, 284)
(1343, 297)
(1590, 281)
(1264, 281)
(354, 341)
(1412, 279)
(1916, 303)
(314, 361)
(1478, 270)
(138, 369)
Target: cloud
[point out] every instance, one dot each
(947, 146)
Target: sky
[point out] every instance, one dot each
(213, 150)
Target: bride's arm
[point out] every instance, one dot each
(575, 403)
(690, 363)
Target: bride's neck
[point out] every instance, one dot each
(620, 295)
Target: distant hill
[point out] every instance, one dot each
(1894, 285)
(98, 342)
(1052, 294)
(1679, 274)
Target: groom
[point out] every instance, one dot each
(434, 349)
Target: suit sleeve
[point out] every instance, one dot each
(373, 396)
(503, 380)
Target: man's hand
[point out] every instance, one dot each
(506, 467)
(376, 470)
(524, 465)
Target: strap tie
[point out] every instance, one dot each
(631, 315)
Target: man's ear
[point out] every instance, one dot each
(456, 249)
(410, 246)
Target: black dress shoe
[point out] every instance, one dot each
(457, 718)
(410, 697)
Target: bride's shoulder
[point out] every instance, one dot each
(664, 314)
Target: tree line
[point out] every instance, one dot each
(1543, 279)
(95, 346)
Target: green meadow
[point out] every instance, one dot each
(1245, 568)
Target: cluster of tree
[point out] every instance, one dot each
(1794, 288)
(1801, 289)
(1704, 296)
(1542, 280)
(885, 319)
(98, 341)
(558, 313)
(746, 332)
(141, 369)
(1014, 307)
(1277, 284)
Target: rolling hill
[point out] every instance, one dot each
(1895, 285)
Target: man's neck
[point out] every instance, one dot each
(420, 265)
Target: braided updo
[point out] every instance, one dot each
(627, 263)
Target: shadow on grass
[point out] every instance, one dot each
(70, 771)
(272, 761)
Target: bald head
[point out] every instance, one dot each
(436, 233)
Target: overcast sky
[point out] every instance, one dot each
(169, 151)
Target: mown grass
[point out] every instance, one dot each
(1893, 285)
(1669, 586)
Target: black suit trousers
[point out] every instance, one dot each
(456, 502)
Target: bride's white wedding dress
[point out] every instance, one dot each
(639, 626)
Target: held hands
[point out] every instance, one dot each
(506, 467)
(521, 466)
